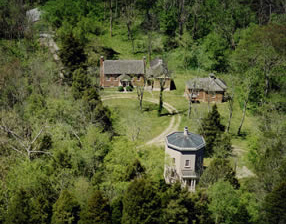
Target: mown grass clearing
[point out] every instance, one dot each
(136, 125)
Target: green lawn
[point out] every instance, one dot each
(136, 125)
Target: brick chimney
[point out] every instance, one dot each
(101, 71)
(101, 61)
(212, 76)
(144, 61)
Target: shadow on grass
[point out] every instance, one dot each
(242, 135)
(167, 114)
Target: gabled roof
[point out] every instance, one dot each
(207, 84)
(124, 77)
(185, 141)
(135, 67)
(158, 69)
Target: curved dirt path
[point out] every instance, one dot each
(241, 171)
(173, 125)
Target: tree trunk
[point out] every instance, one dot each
(243, 116)
(230, 107)
(270, 12)
(110, 17)
(141, 99)
(190, 108)
(266, 77)
(194, 27)
(140, 94)
(162, 86)
(132, 41)
(104, 15)
(190, 104)
(129, 30)
(160, 102)
(149, 45)
(116, 9)
(181, 16)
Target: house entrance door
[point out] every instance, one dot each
(125, 83)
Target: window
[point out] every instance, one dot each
(115, 78)
(138, 78)
(187, 163)
(107, 78)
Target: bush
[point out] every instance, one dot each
(129, 88)
(120, 88)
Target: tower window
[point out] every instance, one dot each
(187, 163)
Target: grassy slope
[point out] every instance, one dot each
(128, 119)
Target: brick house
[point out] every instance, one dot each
(184, 158)
(209, 89)
(115, 73)
(158, 72)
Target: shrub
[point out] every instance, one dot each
(129, 88)
(120, 88)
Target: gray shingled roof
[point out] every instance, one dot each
(187, 142)
(135, 67)
(158, 69)
(207, 84)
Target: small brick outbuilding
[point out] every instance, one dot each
(210, 89)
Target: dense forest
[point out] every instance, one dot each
(63, 159)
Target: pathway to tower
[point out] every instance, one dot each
(173, 125)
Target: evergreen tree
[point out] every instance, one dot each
(222, 146)
(66, 209)
(141, 204)
(135, 170)
(219, 168)
(275, 206)
(97, 210)
(80, 83)
(72, 54)
(211, 129)
(116, 208)
(177, 205)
